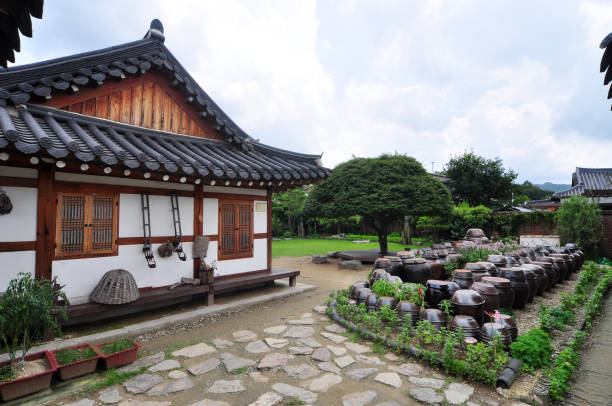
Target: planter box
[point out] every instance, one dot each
(77, 368)
(118, 359)
(28, 384)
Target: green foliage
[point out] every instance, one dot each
(465, 217)
(479, 181)
(533, 349)
(509, 224)
(7, 373)
(412, 292)
(393, 237)
(385, 288)
(68, 356)
(113, 377)
(381, 190)
(389, 316)
(432, 227)
(288, 212)
(531, 191)
(116, 346)
(485, 362)
(580, 222)
(565, 363)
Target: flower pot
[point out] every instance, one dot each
(28, 384)
(120, 358)
(77, 368)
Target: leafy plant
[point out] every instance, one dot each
(116, 346)
(68, 356)
(533, 349)
(389, 316)
(412, 292)
(384, 288)
(580, 222)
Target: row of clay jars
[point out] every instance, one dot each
(521, 289)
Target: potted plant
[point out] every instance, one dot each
(75, 361)
(118, 353)
(27, 310)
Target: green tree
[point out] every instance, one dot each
(381, 190)
(465, 217)
(288, 209)
(579, 221)
(530, 190)
(479, 181)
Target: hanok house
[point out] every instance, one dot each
(107, 155)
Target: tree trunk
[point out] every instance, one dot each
(300, 227)
(406, 235)
(382, 242)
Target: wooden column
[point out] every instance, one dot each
(198, 222)
(269, 229)
(45, 221)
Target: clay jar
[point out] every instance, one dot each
(436, 291)
(488, 331)
(489, 294)
(504, 289)
(435, 317)
(396, 265)
(436, 267)
(468, 324)
(362, 295)
(405, 308)
(376, 275)
(532, 281)
(531, 254)
(511, 262)
(498, 260)
(556, 272)
(463, 278)
(509, 323)
(519, 285)
(394, 279)
(383, 263)
(416, 270)
(385, 301)
(405, 255)
(490, 267)
(478, 270)
(549, 271)
(371, 301)
(523, 257)
(562, 266)
(541, 278)
(355, 287)
(569, 263)
(468, 302)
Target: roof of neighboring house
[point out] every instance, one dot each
(441, 178)
(588, 182)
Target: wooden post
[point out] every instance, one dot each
(269, 229)
(45, 221)
(198, 223)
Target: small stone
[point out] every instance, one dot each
(391, 357)
(472, 404)
(323, 383)
(300, 350)
(299, 332)
(257, 347)
(345, 361)
(359, 399)
(134, 402)
(268, 399)
(143, 362)
(223, 386)
(165, 365)
(426, 395)
(319, 259)
(142, 383)
(165, 388)
(194, 351)
(276, 342)
(389, 378)
(243, 336)
(204, 367)
(360, 373)
(352, 264)
(321, 354)
(369, 359)
(320, 309)
(358, 348)
(110, 395)
(82, 402)
(295, 392)
(388, 403)
(259, 377)
(275, 330)
(221, 343)
(334, 337)
(306, 316)
(407, 369)
(458, 393)
(210, 402)
(274, 360)
(301, 371)
(427, 382)
(329, 367)
(176, 374)
(302, 322)
(335, 328)
(487, 400)
(337, 351)
(232, 362)
(308, 342)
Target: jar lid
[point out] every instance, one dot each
(416, 261)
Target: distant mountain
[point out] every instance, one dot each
(553, 187)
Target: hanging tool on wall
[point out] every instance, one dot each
(178, 234)
(146, 227)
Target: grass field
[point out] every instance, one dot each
(305, 247)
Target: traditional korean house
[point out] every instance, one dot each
(107, 155)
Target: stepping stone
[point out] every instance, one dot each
(221, 343)
(302, 322)
(82, 402)
(210, 402)
(173, 386)
(134, 402)
(352, 264)
(142, 383)
(274, 360)
(321, 354)
(143, 362)
(176, 374)
(223, 386)
(329, 367)
(243, 336)
(323, 383)
(256, 347)
(320, 309)
(427, 382)
(360, 373)
(458, 393)
(295, 392)
(308, 342)
(232, 362)
(359, 399)
(204, 367)
(275, 330)
(268, 399)
(345, 361)
(306, 316)
(358, 348)
(388, 403)
(299, 332)
(335, 328)
(407, 369)
(369, 359)
(389, 378)
(301, 371)
(110, 395)
(165, 365)
(300, 350)
(426, 395)
(259, 377)
(337, 351)
(391, 357)
(334, 337)
(319, 259)
(194, 351)
(276, 342)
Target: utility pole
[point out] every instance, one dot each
(432, 166)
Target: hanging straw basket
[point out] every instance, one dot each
(116, 287)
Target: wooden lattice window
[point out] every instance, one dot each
(235, 229)
(86, 225)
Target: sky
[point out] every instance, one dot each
(514, 80)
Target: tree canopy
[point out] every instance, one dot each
(530, 190)
(479, 181)
(381, 190)
(580, 222)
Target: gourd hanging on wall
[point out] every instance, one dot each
(6, 206)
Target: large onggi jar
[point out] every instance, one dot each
(416, 270)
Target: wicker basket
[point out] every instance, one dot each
(116, 287)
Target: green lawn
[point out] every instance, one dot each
(306, 247)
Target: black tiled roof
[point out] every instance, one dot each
(589, 182)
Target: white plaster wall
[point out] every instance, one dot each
(16, 172)
(540, 240)
(211, 217)
(234, 190)
(81, 275)
(130, 215)
(258, 262)
(111, 180)
(260, 218)
(20, 223)
(11, 263)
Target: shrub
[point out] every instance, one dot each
(580, 222)
(465, 216)
(384, 288)
(533, 349)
